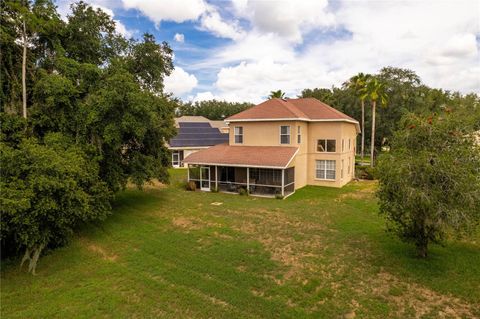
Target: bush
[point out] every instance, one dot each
(191, 186)
(214, 189)
(365, 172)
(243, 191)
(279, 196)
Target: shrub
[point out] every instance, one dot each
(243, 191)
(279, 196)
(365, 172)
(191, 186)
(214, 190)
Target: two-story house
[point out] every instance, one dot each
(279, 146)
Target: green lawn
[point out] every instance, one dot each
(321, 253)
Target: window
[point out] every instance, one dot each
(349, 146)
(238, 133)
(326, 145)
(341, 171)
(343, 145)
(177, 158)
(299, 134)
(284, 134)
(325, 169)
(349, 162)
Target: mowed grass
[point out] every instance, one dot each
(321, 253)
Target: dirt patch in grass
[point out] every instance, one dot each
(192, 223)
(422, 300)
(277, 233)
(106, 255)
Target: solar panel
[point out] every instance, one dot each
(197, 134)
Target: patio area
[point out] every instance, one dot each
(268, 182)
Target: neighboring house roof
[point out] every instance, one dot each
(305, 109)
(199, 119)
(197, 134)
(251, 156)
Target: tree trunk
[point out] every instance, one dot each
(25, 257)
(422, 248)
(372, 142)
(363, 129)
(24, 71)
(32, 256)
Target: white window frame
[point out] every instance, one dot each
(325, 140)
(176, 164)
(318, 168)
(299, 134)
(341, 171)
(288, 135)
(238, 134)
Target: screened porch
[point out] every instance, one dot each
(268, 182)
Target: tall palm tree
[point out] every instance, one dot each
(358, 84)
(276, 94)
(375, 91)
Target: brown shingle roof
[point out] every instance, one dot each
(305, 108)
(252, 156)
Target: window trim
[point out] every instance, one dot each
(325, 170)
(326, 145)
(289, 135)
(240, 128)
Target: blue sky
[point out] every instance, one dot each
(240, 50)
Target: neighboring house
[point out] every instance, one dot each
(195, 133)
(279, 146)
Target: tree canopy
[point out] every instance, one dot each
(429, 181)
(212, 109)
(97, 118)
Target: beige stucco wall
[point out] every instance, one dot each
(268, 134)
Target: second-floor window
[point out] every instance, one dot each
(238, 133)
(326, 146)
(299, 134)
(284, 134)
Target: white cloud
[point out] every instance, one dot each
(180, 82)
(289, 19)
(204, 96)
(179, 37)
(442, 49)
(213, 22)
(167, 10)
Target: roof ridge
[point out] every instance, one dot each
(292, 108)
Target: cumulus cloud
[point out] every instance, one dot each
(442, 49)
(289, 19)
(166, 10)
(212, 21)
(180, 82)
(179, 37)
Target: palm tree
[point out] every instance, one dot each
(375, 91)
(276, 94)
(358, 84)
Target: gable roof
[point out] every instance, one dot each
(304, 109)
(243, 156)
